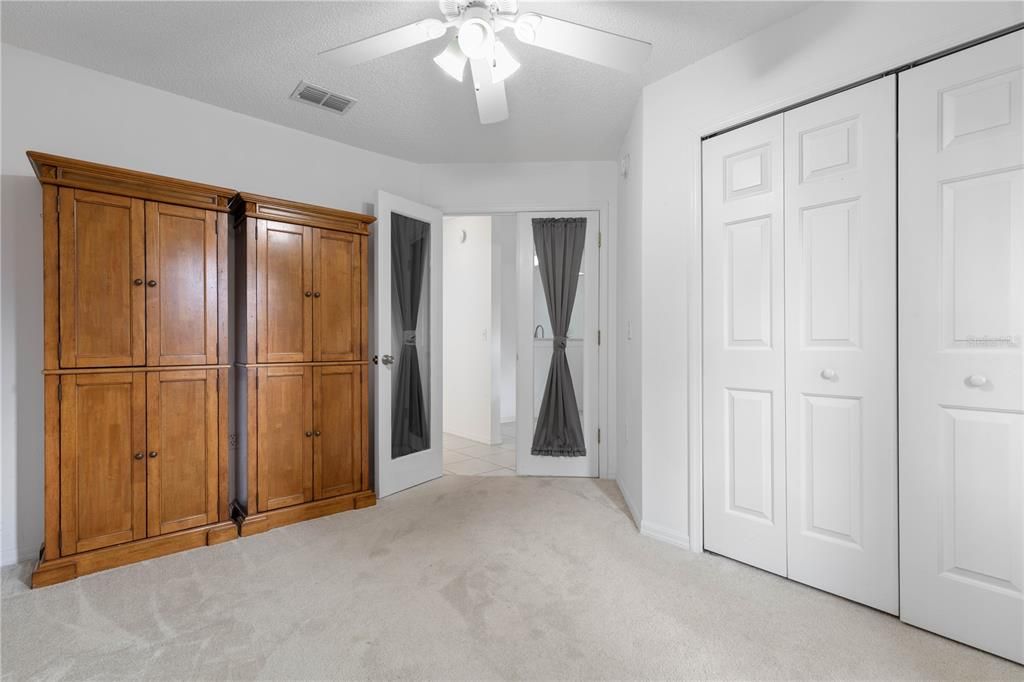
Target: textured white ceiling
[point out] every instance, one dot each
(248, 57)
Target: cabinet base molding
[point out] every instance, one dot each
(260, 522)
(53, 571)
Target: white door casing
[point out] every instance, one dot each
(961, 321)
(394, 475)
(744, 363)
(531, 375)
(840, 274)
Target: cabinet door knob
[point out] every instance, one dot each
(977, 380)
(829, 374)
(316, 433)
(139, 455)
(308, 434)
(316, 294)
(308, 294)
(152, 454)
(138, 281)
(151, 282)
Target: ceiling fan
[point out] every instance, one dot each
(477, 24)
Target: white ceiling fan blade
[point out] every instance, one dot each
(385, 43)
(490, 96)
(582, 42)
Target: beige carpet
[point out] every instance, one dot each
(460, 578)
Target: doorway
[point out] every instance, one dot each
(479, 344)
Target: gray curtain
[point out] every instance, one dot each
(559, 243)
(410, 245)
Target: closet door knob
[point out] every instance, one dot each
(316, 294)
(309, 434)
(977, 380)
(308, 294)
(139, 455)
(316, 433)
(151, 282)
(829, 374)
(152, 454)
(137, 281)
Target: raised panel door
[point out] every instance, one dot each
(744, 368)
(340, 430)
(182, 450)
(102, 271)
(284, 296)
(181, 285)
(840, 171)
(339, 296)
(961, 288)
(285, 436)
(102, 462)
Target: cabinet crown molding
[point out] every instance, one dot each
(246, 205)
(64, 172)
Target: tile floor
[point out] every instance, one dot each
(465, 457)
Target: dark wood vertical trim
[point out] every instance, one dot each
(51, 279)
(51, 467)
(223, 389)
(223, 352)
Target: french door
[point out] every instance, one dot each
(962, 346)
(407, 258)
(536, 348)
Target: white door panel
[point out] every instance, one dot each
(840, 214)
(744, 363)
(397, 471)
(961, 294)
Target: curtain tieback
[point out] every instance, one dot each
(560, 342)
(409, 337)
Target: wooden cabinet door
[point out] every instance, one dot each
(285, 436)
(102, 461)
(181, 285)
(182, 456)
(284, 292)
(340, 430)
(102, 271)
(339, 296)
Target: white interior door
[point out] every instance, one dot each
(744, 361)
(408, 448)
(840, 253)
(961, 287)
(535, 350)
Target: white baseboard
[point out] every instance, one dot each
(633, 511)
(665, 534)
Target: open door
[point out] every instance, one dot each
(407, 260)
(557, 373)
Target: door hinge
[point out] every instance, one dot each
(60, 353)
(599, 240)
(599, 436)
(60, 392)
(599, 337)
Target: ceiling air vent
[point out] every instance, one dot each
(318, 97)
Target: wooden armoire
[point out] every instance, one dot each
(135, 365)
(302, 360)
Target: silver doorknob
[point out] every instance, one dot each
(977, 380)
(387, 359)
(829, 374)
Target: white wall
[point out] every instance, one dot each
(109, 120)
(629, 434)
(503, 235)
(824, 47)
(470, 397)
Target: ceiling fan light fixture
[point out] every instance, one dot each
(504, 63)
(476, 38)
(525, 28)
(452, 60)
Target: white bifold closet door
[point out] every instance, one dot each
(962, 346)
(799, 242)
